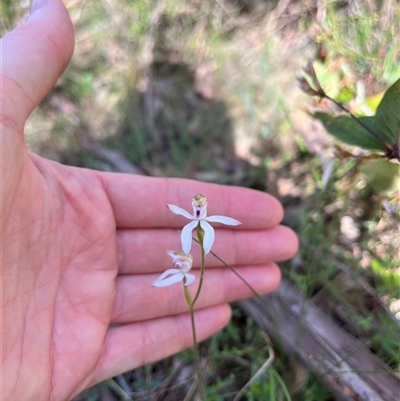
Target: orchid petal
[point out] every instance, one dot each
(223, 220)
(209, 235)
(189, 279)
(186, 236)
(167, 273)
(175, 278)
(172, 255)
(182, 212)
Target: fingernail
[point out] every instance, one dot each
(36, 4)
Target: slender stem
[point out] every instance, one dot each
(369, 130)
(318, 91)
(195, 346)
(200, 235)
(255, 293)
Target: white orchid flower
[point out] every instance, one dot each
(171, 276)
(199, 216)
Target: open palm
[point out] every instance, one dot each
(80, 248)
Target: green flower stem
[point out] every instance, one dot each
(195, 346)
(200, 236)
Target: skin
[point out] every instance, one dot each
(79, 248)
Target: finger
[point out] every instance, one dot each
(141, 201)
(136, 300)
(129, 346)
(34, 55)
(144, 250)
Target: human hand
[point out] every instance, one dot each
(80, 248)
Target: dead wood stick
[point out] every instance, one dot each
(343, 363)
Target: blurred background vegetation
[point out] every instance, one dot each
(207, 90)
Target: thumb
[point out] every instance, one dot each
(34, 55)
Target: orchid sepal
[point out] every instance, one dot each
(209, 235)
(179, 211)
(186, 236)
(229, 221)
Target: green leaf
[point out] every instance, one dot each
(373, 101)
(382, 175)
(347, 130)
(387, 118)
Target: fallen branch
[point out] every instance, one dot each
(342, 362)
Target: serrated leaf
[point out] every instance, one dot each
(345, 129)
(387, 118)
(382, 175)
